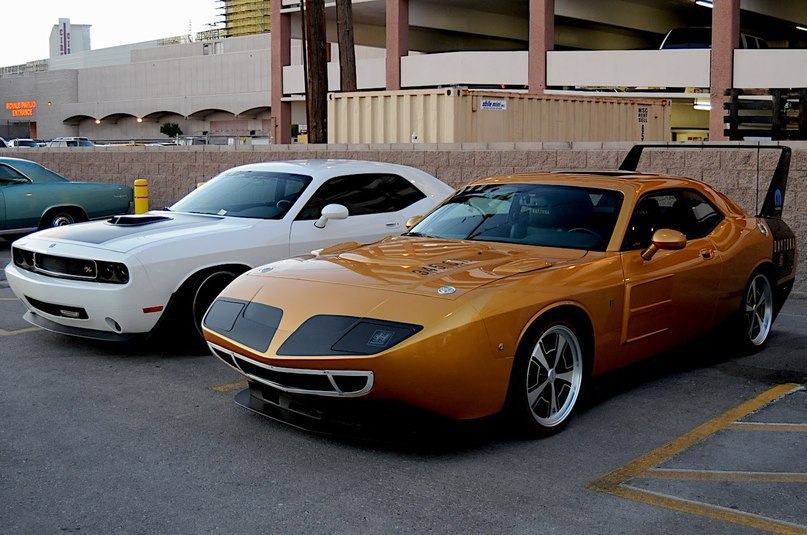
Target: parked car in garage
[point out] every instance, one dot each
(33, 197)
(507, 298)
(118, 279)
(701, 37)
(61, 142)
(24, 142)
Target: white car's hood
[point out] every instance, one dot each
(126, 233)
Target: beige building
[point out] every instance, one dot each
(252, 87)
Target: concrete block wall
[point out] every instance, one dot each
(172, 172)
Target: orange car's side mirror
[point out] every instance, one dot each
(667, 239)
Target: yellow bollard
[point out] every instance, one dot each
(141, 196)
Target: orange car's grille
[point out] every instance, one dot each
(332, 383)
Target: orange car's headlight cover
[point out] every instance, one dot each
(329, 335)
(249, 323)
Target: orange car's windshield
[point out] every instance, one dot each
(531, 214)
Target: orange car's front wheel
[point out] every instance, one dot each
(547, 378)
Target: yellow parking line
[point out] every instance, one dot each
(724, 475)
(4, 332)
(768, 427)
(230, 387)
(612, 483)
(715, 512)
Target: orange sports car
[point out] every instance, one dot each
(508, 296)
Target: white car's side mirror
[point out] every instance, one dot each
(331, 211)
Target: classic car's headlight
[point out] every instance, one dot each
(326, 335)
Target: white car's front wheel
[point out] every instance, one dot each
(205, 292)
(183, 323)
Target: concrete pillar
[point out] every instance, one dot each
(397, 40)
(281, 56)
(725, 38)
(542, 39)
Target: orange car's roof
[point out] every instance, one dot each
(615, 180)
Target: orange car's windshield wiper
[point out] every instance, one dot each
(417, 235)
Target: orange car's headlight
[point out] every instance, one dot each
(328, 335)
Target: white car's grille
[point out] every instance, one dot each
(70, 268)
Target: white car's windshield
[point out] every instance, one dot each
(531, 214)
(240, 193)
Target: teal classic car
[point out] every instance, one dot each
(33, 197)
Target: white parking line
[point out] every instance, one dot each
(4, 332)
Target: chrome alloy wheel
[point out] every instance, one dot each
(62, 219)
(554, 375)
(758, 310)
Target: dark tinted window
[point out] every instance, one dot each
(683, 210)
(363, 194)
(37, 173)
(9, 175)
(241, 193)
(531, 214)
(688, 38)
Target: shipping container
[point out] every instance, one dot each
(454, 115)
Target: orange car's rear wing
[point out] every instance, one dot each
(775, 197)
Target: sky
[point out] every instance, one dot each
(25, 27)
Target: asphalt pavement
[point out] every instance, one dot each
(106, 438)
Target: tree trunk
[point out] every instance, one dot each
(316, 87)
(347, 53)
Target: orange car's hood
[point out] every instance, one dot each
(424, 266)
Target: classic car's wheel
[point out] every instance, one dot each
(60, 217)
(547, 378)
(756, 312)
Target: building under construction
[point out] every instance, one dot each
(245, 17)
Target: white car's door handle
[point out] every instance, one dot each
(393, 225)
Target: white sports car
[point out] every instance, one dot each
(116, 279)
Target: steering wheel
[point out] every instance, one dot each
(283, 204)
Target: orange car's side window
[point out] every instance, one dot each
(686, 211)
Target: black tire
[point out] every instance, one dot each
(547, 379)
(205, 292)
(182, 328)
(60, 217)
(754, 319)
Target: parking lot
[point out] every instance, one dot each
(100, 438)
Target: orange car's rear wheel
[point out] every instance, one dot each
(547, 379)
(756, 312)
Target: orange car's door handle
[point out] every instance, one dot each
(707, 254)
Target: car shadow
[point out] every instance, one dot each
(425, 434)
(137, 347)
